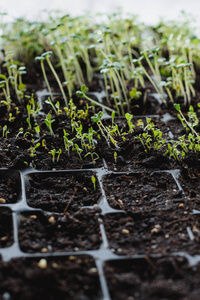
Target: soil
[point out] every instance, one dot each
(67, 233)
(164, 278)
(137, 192)
(6, 228)
(10, 186)
(62, 278)
(62, 192)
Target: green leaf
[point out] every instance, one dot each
(79, 94)
(177, 106)
(84, 89)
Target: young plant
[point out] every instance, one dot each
(4, 85)
(48, 121)
(79, 150)
(131, 126)
(67, 143)
(82, 94)
(46, 56)
(93, 178)
(93, 154)
(104, 131)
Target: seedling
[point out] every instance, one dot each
(46, 56)
(5, 131)
(79, 150)
(49, 122)
(82, 94)
(93, 178)
(105, 133)
(93, 154)
(131, 126)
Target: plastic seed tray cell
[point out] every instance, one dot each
(141, 191)
(61, 191)
(70, 277)
(147, 278)
(63, 233)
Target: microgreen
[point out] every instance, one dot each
(93, 178)
(48, 121)
(82, 94)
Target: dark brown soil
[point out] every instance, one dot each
(10, 186)
(40, 232)
(62, 192)
(72, 277)
(164, 278)
(162, 232)
(6, 228)
(137, 192)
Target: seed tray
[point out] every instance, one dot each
(99, 231)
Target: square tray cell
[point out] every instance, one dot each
(10, 186)
(140, 191)
(42, 232)
(6, 227)
(72, 277)
(152, 233)
(152, 279)
(61, 191)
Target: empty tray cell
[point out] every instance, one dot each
(152, 279)
(152, 233)
(10, 186)
(6, 227)
(140, 191)
(62, 192)
(42, 232)
(72, 277)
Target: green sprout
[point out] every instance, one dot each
(49, 122)
(82, 94)
(93, 179)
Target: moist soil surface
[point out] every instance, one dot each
(71, 277)
(62, 192)
(67, 233)
(143, 279)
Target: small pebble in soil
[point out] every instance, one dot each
(33, 217)
(92, 271)
(42, 263)
(156, 229)
(54, 265)
(2, 201)
(71, 257)
(125, 231)
(51, 220)
(44, 250)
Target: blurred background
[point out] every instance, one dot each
(149, 12)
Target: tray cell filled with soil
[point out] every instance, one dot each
(6, 227)
(72, 277)
(164, 232)
(62, 191)
(42, 232)
(141, 191)
(10, 186)
(164, 278)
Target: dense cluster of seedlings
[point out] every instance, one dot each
(68, 56)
